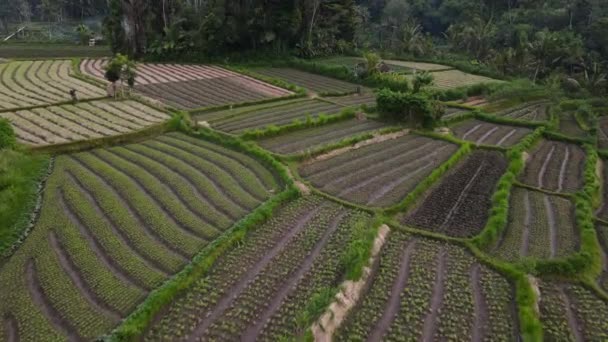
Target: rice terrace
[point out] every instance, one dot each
(320, 170)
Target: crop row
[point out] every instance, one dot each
(35, 83)
(299, 141)
(211, 92)
(456, 79)
(368, 99)
(531, 111)
(379, 174)
(602, 234)
(484, 133)
(316, 83)
(555, 166)
(81, 121)
(259, 290)
(429, 291)
(570, 127)
(275, 115)
(571, 312)
(539, 226)
(115, 224)
(460, 204)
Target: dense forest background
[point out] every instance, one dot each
(530, 38)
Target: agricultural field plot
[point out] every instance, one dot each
(367, 99)
(555, 166)
(420, 66)
(352, 62)
(115, 224)
(602, 132)
(602, 234)
(81, 121)
(452, 112)
(427, 290)
(535, 111)
(570, 127)
(272, 115)
(460, 204)
(485, 133)
(540, 226)
(313, 82)
(602, 213)
(38, 83)
(571, 312)
(258, 291)
(307, 139)
(379, 174)
(456, 78)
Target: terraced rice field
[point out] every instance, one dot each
(602, 132)
(540, 226)
(309, 139)
(555, 166)
(282, 114)
(451, 112)
(431, 291)
(38, 83)
(81, 121)
(571, 312)
(316, 83)
(368, 99)
(456, 78)
(380, 174)
(485, 133)
(534, 111)
(460, 204)
(570, 127)
(115, 224)
(602, 234)
(256, 292)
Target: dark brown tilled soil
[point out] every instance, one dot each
(459, 205)
(430, 323)
(481, 309)
(11, 328)
(575, 328)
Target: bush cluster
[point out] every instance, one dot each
(419, 109)
(7, 135)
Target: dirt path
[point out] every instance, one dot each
(430, 323)
(461, 197)
(543, 169)
(42, 302)
(525, 234)
(486, 135)
(97, 249)
(551, 225)
(83, 288)
(11, 328)
(506, 137)
(178, 253)
(575, 328)
(562, 170)
(481, 309)
(229, 296)
(470, 131)
(289, 285)
(394, 302)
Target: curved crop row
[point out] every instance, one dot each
(484, 133)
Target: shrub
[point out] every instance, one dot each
(7, 135)
(418, 109)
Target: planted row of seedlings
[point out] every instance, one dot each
(540, 226)
(37, 83)
(81, 121)
(485, 133)
(530, 111)
(460, 204)
(211, 92)
(572, 312)
(115, 224)
(455, 79)
(380, 174)
(570, 127)
(428, 290)
(555, 166)
(263, 289)
(602, 235)
(316, 83)
(274, 115)
(311, 138)
(367, 99)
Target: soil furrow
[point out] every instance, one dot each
(162, 206)
(151, 263)
(543, 169)
(575, 328)
(97, 249)
(41, 301)
(562, 170)
(11, 328)
(230, 295)
(462, 196)
(378, 194)
(486, 135)
(551, 225)
(525, 235)
(506, 137)
(394, 302)
(84, 290)
(135, 214)
(430, 322)
(481, 309)
(251, 334)
(470, 131)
